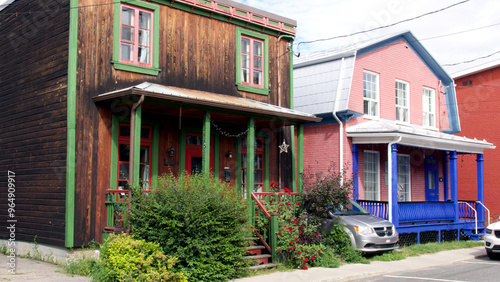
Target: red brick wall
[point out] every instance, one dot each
(477, 105)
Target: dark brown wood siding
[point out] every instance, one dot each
(33, 79)
(196, 52)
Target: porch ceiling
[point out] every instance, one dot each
(385, 131)
(225, 108)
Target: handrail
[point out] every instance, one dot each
(475, 213)
(260, 205)
(486, 209)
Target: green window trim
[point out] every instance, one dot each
(155, 69)
(265, 39)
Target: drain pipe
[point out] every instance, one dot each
(389, 165)
(131, 154)
(341, 125)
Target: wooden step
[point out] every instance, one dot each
(254, 250)
(259, 259)
(262, 266)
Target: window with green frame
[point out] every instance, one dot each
(252, 61)
(136, 37)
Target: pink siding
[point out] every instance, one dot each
(396, 61)
(477, 105)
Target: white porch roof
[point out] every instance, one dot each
(384, 131)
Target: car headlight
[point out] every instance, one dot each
(489, 231)
(363, 229)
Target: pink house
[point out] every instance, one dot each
(389, 114)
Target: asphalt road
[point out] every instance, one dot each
(479, 269)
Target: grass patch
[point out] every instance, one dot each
(417, 250)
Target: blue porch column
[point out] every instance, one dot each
(454, 183)
(394, 185)
(480, 186)
(445, 176)
(355, 169)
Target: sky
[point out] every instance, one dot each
(465, 32)
(461, 33)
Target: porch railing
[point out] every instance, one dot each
(467, 211)
(413, 211)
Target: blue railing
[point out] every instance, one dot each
(465, 211)
(413, 211)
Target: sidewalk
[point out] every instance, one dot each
(33, 270)
(375, 268)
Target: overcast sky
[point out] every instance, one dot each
(464, 32)
(446, 34)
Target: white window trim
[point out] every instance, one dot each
(377, 116)
(433, 99)
(407, 98)
(409, 175)
(377, 174)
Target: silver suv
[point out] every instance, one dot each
(368, 233)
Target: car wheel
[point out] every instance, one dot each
(492, 255)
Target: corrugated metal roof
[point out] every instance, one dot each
(384, 131)
(196, 97)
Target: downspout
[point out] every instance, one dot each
(389, 165)
(341, 125)
(131, 154)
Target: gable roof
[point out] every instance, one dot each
(337, 69)
(476, 69)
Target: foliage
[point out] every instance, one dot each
(87, 266)
(127, 259)
(325, 189)
(198, 219)
(339, 242)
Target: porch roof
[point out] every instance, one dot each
(209, 99)
(385, 131)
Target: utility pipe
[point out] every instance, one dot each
(341, 125)
(389, 164)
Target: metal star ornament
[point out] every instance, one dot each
(284, 147)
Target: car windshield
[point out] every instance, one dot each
(352, 208)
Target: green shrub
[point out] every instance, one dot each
(127, 259)
(339, 242)
(198, 219)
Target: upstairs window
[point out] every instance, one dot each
(370, 94)
(429, 108)
(402, 101)
(136, 37)
(252, 62)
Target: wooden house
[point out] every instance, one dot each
(98, 93)
(389, 113)
(476, 99)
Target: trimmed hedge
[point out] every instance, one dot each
(197, 219)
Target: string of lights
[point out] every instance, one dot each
(227, 134)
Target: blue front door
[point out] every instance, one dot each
(431, 179)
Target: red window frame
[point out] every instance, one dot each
(196, 151)
(259, 150)
(135, 42)
(251, 67)
(145, 142)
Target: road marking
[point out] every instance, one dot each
(478, 262)
(421, 278)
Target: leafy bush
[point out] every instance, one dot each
(127, 259)
(340, 243)
(198, 219)
(325, 189)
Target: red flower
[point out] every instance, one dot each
(295, 220)
(313, 257)
(315, 234)
(296, 239)
(293, 248)
(279, 233)
(300, 231)
(319, 251)
(290, 229)
(306, 260)
(299, 252)
(279, 251)
(291, 243)
(304, 268)
(287, 203)
(298, 204)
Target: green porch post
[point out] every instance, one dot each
(300, 157)
(205, 156)
(250, 168)
(137, 146)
